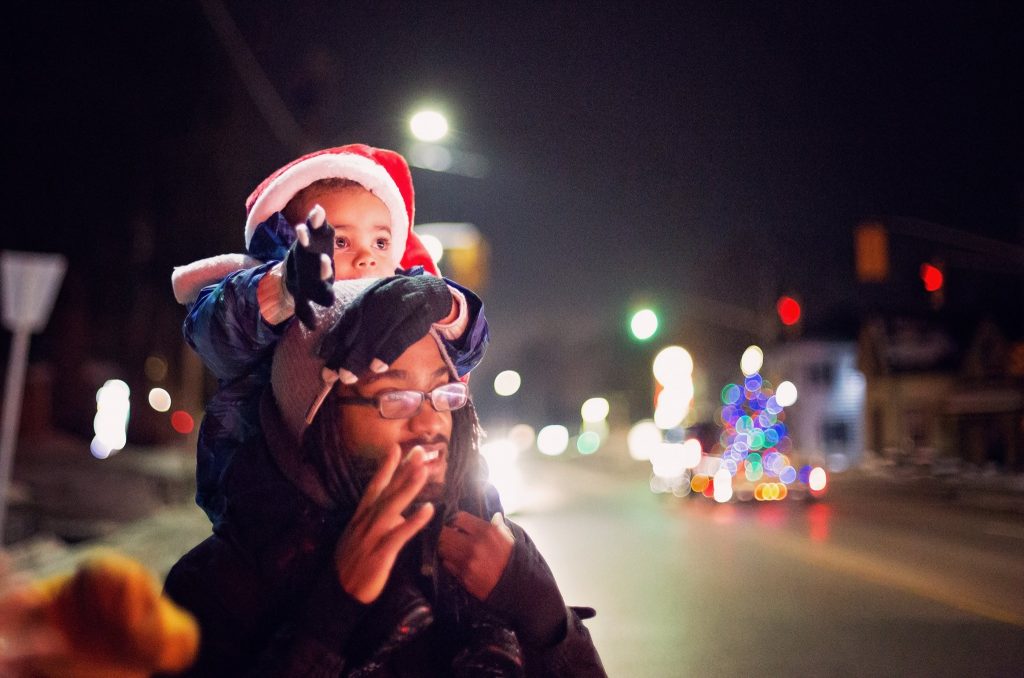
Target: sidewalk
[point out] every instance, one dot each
(65, 503)
(156, 541)
(1001, 493)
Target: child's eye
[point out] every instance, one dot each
(341, 243)
(382, 243)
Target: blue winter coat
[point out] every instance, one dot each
(226, 329)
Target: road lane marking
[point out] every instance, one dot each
(925, 584)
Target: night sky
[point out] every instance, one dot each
(711, 150)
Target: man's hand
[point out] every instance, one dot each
(368, 547)
(308, 267)
(476, 551)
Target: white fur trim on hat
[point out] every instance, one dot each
(372, 175)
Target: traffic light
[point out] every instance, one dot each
(789, 310)
(872, 252)
(934, 279)
(643, 324)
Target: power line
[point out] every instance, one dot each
(261, 90)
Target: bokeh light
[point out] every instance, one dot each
(110, 425)
(433, 246)
(673, 406)
(159, 399)
(156, 368)
(932, 277)
(642, 438)
(722, 486)
(182, 422)
(789, 310)
(504, 473)
(673, 365)
(691, 453)
(552, 440)
(644, 324)
(588, 442)
(594, 410)
(817, 479)
(507, 383)
(667, 460)
(786, 394)
(754, 443)
(751, 361)
(428, 126)
(522, 435)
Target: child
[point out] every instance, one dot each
(365, 194)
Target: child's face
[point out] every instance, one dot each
(362, 232)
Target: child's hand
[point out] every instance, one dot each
(308, 268)
(381, 323)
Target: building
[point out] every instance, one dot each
(827, 421)
(930, 399)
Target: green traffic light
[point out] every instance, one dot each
(644, 324)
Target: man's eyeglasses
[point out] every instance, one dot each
(407, 404)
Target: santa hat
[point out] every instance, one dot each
(380, 171)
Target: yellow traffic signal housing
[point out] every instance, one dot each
(872, 252)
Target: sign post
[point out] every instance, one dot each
(30, 282)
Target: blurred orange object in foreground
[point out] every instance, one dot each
(108, 618)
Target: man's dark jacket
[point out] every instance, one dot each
(264, 590)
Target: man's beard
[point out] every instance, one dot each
(363, 464)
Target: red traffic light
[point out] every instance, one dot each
(932, 277)
(789, 310)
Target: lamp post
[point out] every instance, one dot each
(30, 284)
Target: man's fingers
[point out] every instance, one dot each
(454, 545)
(498, 521)
(408, 481)
(457, 568)
(469, 523)
(380, 480)
(405, 531)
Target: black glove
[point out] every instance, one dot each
(304, 269)
(388, 317)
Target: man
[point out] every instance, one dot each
(362, 540)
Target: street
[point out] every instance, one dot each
(868, 582)
(872, 581)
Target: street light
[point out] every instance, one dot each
(428, 125)
(30, 285)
